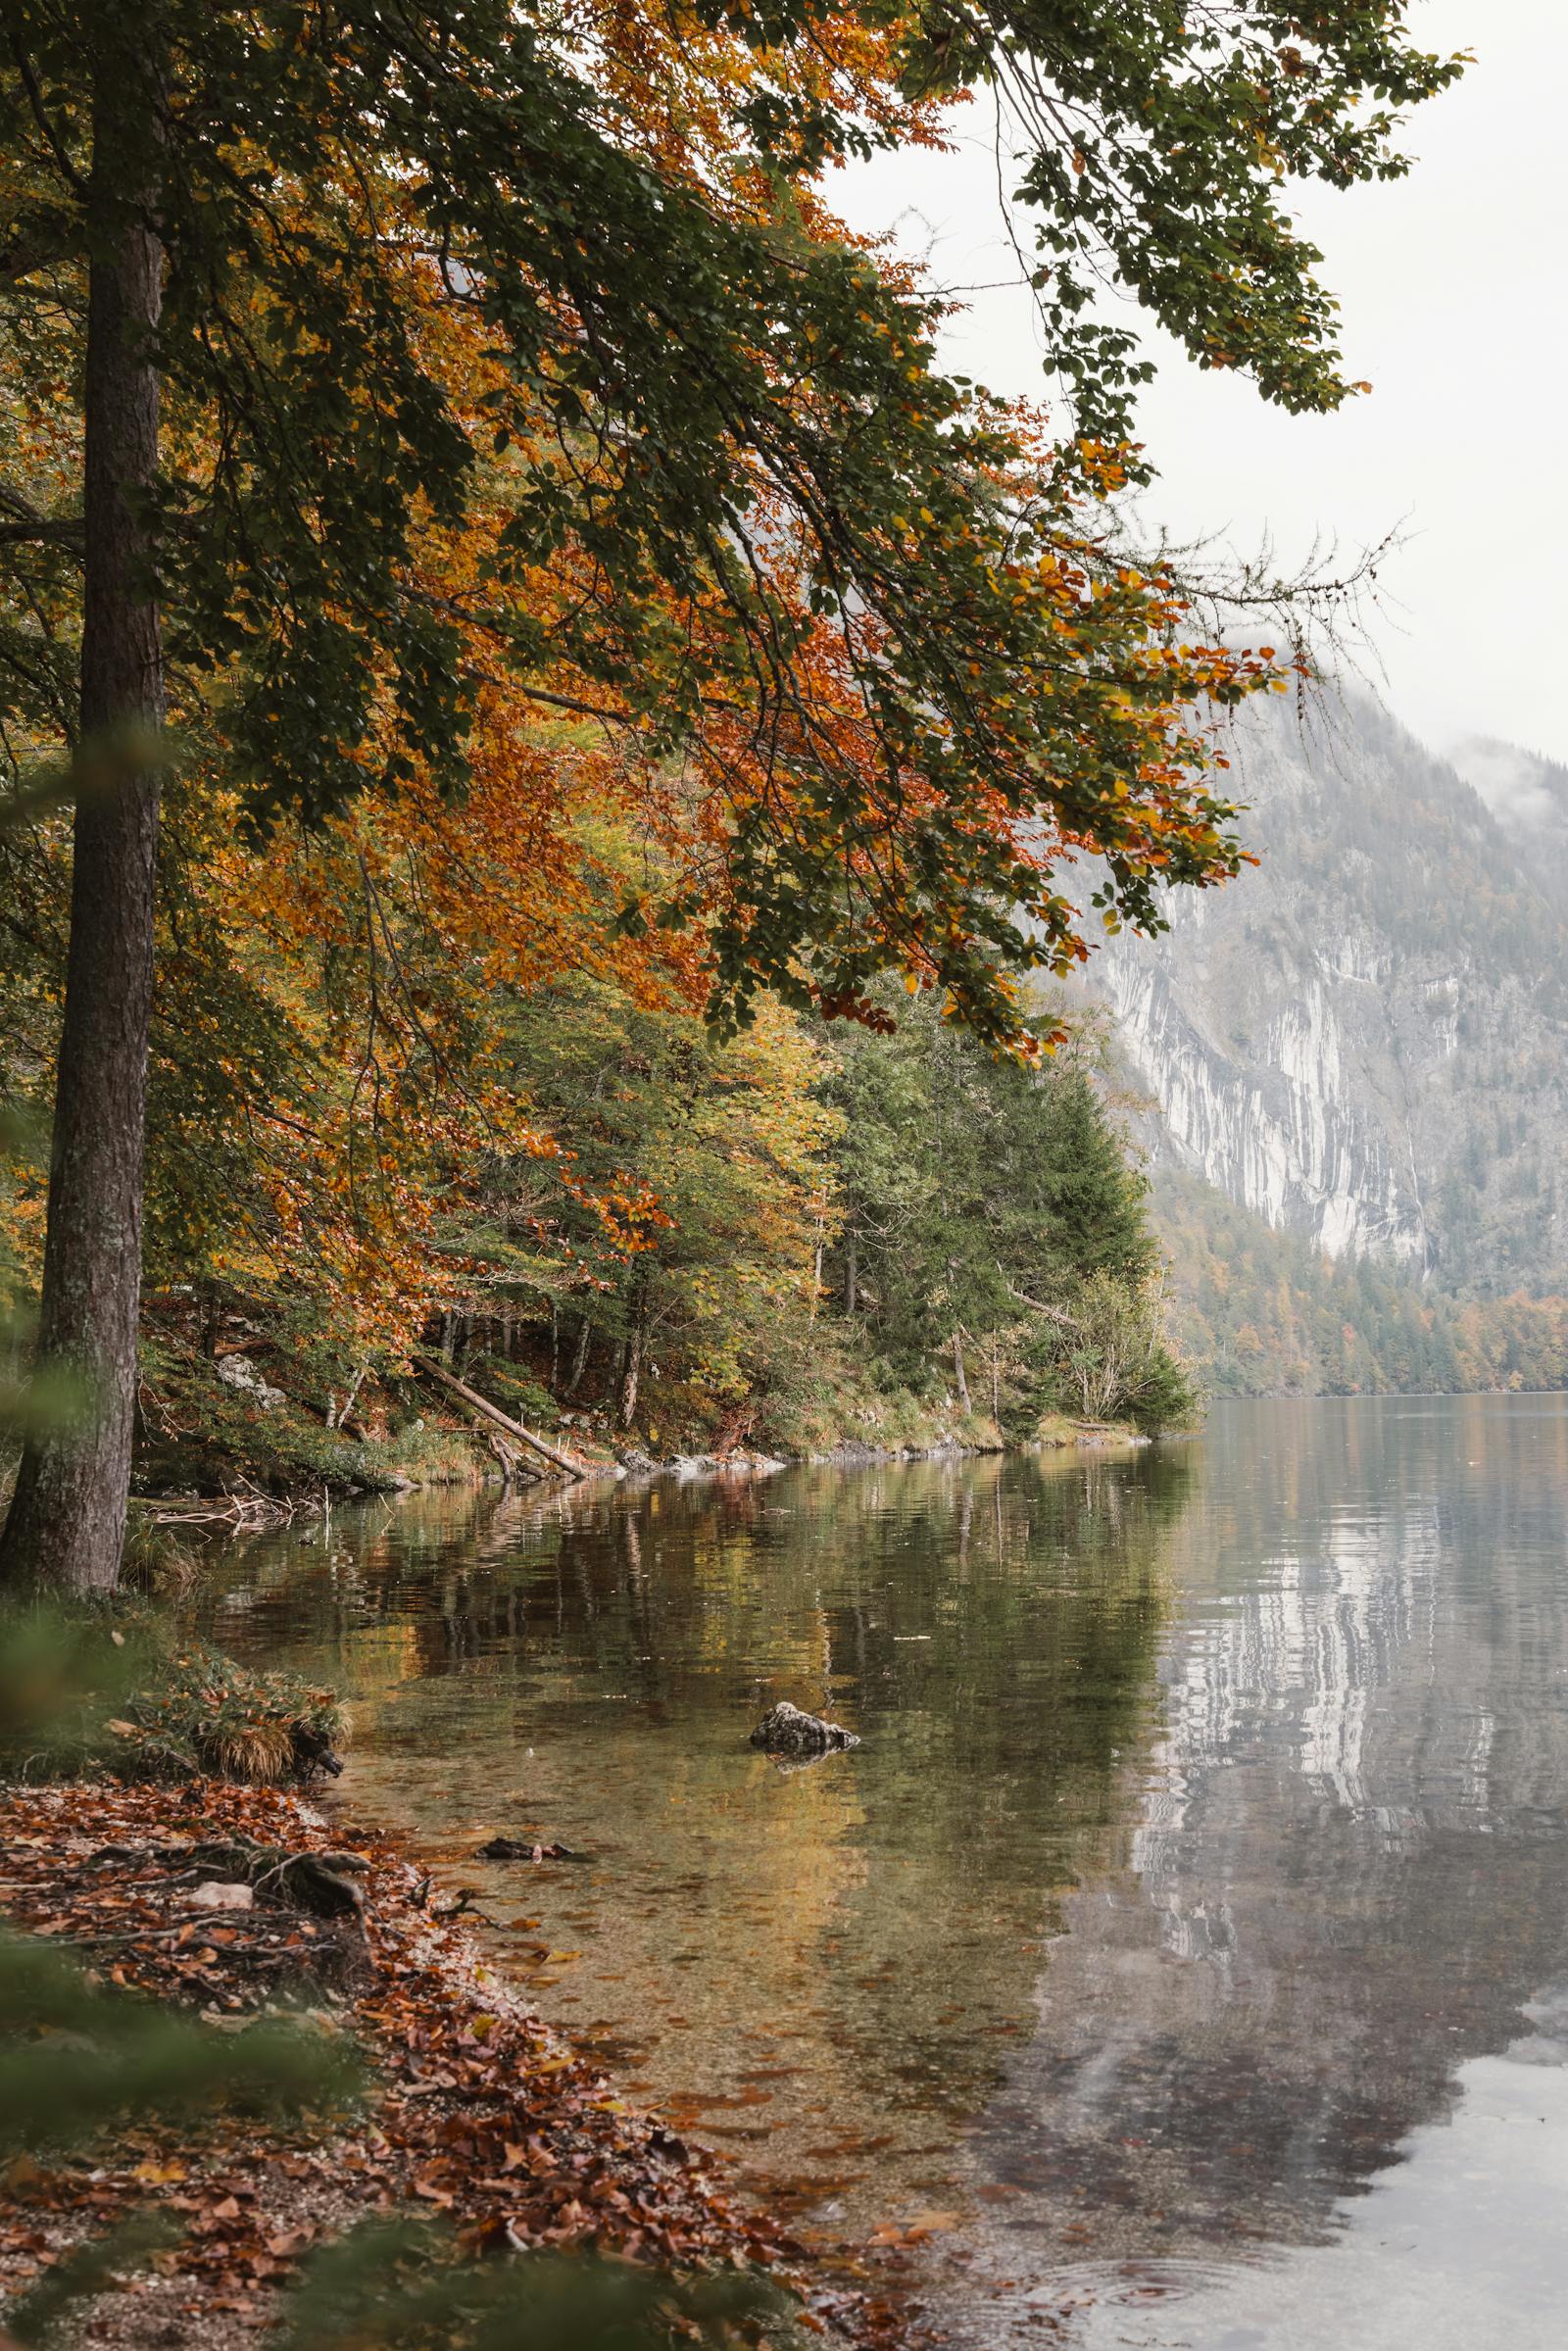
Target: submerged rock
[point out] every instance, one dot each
(785, 1729)
(525, 1848)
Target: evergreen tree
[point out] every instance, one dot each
(991, 1218)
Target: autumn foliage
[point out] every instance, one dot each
(574, 563)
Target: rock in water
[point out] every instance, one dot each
(525, 1848)
(786, 1730)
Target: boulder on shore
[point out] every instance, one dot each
(786, 1729)
(635, 1462)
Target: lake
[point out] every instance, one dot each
(1182, 1959)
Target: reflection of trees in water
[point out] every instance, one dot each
(1008, 1735)
(1301, 1849)
(671, 1579)
(1348, 1872)
(991, 1628)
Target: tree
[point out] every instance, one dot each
(992, 1226)
(708, 1156)
(427, 344)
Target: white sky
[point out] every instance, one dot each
(1454, 291)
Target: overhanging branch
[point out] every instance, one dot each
(21, 524)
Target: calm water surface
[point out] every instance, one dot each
(1183, 1955)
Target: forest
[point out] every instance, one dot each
(793, 1239)
(553, 753)
(477, 527)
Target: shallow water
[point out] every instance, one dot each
(1183, 1957)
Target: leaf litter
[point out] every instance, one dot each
(478, 2111)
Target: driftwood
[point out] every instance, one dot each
(525, 1848)
(514, 1467)
(245, 1510)
(567, 1463)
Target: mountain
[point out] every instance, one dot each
(1363, 1041)
(1258, 1313)
(1354, 1061)
(1526, 792)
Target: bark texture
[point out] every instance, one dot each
(68, 1519)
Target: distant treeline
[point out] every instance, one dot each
(1260, 1313)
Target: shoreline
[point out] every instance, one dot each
(476, 2110)
(249, 1507)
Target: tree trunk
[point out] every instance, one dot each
(579, 1363)
(958, 1370)
(631, 1373)
(68, 1520)
(851, 1266)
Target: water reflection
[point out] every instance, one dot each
(823, 1970)
(1200, 1868)
(1344, 1877)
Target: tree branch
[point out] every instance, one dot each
(26, 523)
(1068, 1322)
(34, 245)
(40, 115)
(44, 533)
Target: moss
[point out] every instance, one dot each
(110, 1687)
(206, 1437)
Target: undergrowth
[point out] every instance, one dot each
(111, 1687)
(200, 1435)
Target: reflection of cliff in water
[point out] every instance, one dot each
(1348, 1873)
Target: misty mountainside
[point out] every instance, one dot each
(1526, 792)
(1258, 1313)
(1363, 1041)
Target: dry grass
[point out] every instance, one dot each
(260, 1752)
(156, 1562)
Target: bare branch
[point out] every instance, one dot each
(34, 245)
(1057, 1314)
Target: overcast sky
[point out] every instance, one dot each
(1454, 291)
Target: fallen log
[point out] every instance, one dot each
(513, 1465)
(567, 1463)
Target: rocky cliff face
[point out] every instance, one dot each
(1364, 1040)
